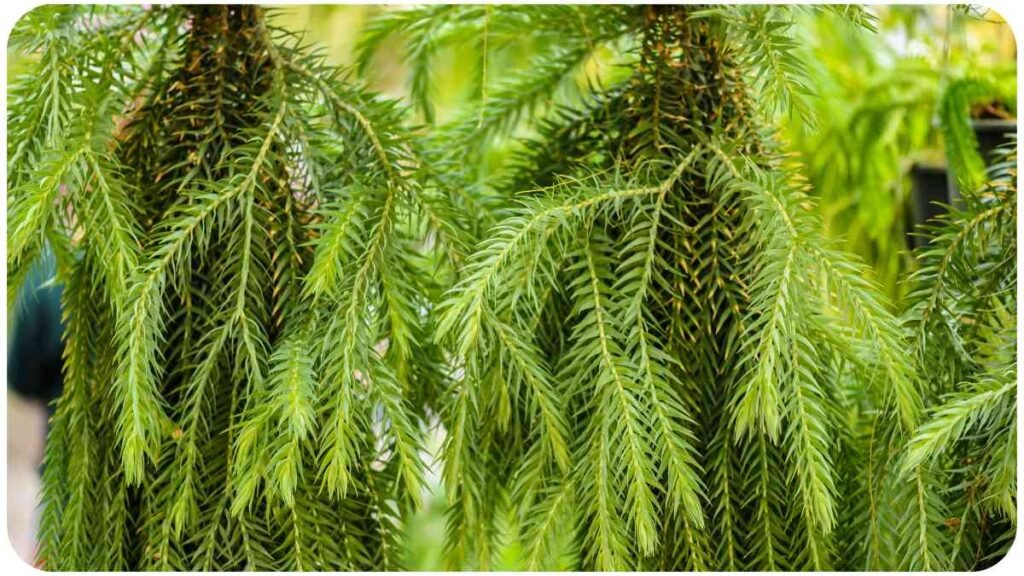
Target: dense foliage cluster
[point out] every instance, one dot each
(963, 316)
(244, 241)
(653, 357)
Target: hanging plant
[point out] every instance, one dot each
(602, 281)
(667, 365)
(248, 247)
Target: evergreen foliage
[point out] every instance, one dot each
(642, 348)
(964, 317)
(658, 302)
(249, 249)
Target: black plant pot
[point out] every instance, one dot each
(992, 133)
(934, 189)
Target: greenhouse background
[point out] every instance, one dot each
(869, 129)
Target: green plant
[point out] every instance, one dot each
(963, 310)
(248, 245)
(649, 336)
(880, 108)
(601, 279)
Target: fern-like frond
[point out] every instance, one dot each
(987, 403)
(961, 143)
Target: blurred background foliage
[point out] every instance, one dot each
(879, 102)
